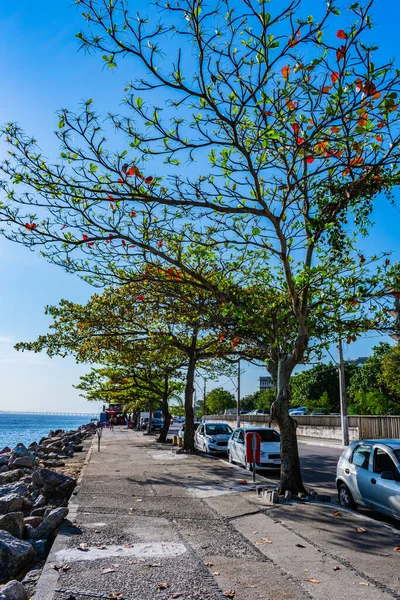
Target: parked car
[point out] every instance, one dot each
(319, 411)
(144, 421)
(298, 412)
(368, 474)
(181, 432)
(156, 424)
(260, 411)
(270, 448)
(212, 437)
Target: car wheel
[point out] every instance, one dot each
(230, 459)
(345, 497)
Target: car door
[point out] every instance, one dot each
(358, 473)
(232, 445)
(240, 448)
(385, 493)
(199, 437)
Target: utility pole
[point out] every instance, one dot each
(343, 401)
(238, 397)
(204, 400)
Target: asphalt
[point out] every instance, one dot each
(148, 523)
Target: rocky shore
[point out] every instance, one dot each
(34, 493)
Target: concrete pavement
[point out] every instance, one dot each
(151, 524)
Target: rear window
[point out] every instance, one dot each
(218, 429)
(267, 435)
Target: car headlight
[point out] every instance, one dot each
(210, 439)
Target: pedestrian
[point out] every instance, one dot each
(113, 422)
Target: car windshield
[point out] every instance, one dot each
(397, 454)
(218, 429)
(267, 435)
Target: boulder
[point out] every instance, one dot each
(21, 462)
(46, 529)
(13, 488)
(40, 501)
(4, 458)
(13, 590)
(33, 520)
(54, 463)
(39, 512)
(52, 484)
(4, 469)
(13, 523)
(10, 476)
(10, 503)
(15, 556)
(5, 450)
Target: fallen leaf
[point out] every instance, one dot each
(266, 540)
(116, 596)
(229, 593)
(299, 545)
(155, 565)
(209, 564)
(61, 567)
(139, 500)
(243, 482)
(313, 580)
(108, 571)
(396, 549)
(116, 565)
(364, 583)
(83, 547)
(163, 586)
(337, 513)
(177, 595)
(360, 529)
(336, 568)
(216, 573)
(101, 547)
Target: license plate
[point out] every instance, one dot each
(276, 461)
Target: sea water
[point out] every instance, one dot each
(28, 428)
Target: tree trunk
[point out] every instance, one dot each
(188, 440)
(167, 420)
(291, 479)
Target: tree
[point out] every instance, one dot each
(300, 124)
(266, 399)
(219, 400)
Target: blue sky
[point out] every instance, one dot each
(42, 71)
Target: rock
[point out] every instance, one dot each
(50, 524)
(10, 476)
(21, 461)
(13, 488)
(34, 521)
(13, 523)
(10, 503)
(54, 463)
(15, 556)
(4, 468)
(38, 512)
(13, 590)
(40, 501)
(39, 546)
(78, 447)
(51, 482)
(4, 458)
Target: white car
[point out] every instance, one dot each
(270, 448)
(181, 432)
(212, 437)
(298, 412)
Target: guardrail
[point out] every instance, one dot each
(326, 426)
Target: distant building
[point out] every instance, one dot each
(359, 361)
(266, 383)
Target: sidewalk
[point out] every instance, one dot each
(149, 524)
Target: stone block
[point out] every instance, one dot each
(13, 590)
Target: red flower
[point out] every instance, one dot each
(296, 128)
(110, 197)
(334, 77)
(340, 53)
(221, 337)
(112, 206)
(381, 125)
(133, 214)
(267, 113)
(310, 159)
(160, 244)
(326, 89)
(123, 242)
(64, 226)
(90, 244)
(379, 138)
(291, 105)
(85, 237)
(300, 141)
(148, 180)
(120, 180)
(140, 298)
(133, 171)
(285, 71)
(30, 226)
(341, 35)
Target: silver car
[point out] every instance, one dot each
(270, 448)
(368, 474)
(212, 437)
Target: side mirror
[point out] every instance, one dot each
(390, 475)
(240, 441)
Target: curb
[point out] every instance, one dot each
(47, 582)
(326, 444)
